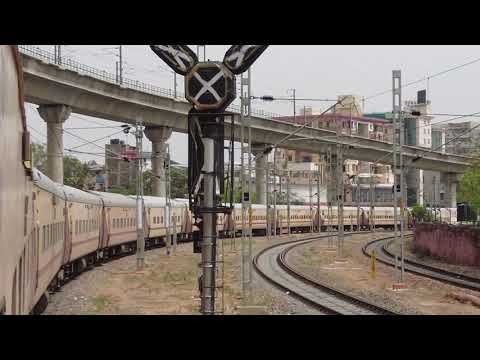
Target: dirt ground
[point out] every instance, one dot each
(167, 285)
(422, 296)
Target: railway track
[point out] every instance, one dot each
(386, 256)
(272, 265)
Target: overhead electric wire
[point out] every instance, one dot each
(443, 144)
(424, 78)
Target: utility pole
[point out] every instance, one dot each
(357, 198)
(204, 51)
(329, 196)
(58, 54)
(174, 85)
(372, 203)
(310, 196)
(168, 203)
(340, 190)
(288, 202)
(318, 198)
(275, 193)
(140, 205)
(267, 198)
(398, 164)
(120, 65)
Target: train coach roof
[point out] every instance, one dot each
(112, 199)
(254, 206)
(157, 201)
(80, 196)
(42, 181)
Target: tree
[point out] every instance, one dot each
(470, 187)
(421, 213)
(75, 173)
(178, 182)
(39, 155)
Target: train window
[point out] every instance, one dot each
(162, 219)
(44, 238)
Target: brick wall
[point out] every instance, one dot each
(454, 244)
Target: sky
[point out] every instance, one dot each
(315, 71)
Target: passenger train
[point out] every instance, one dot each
(49, 231)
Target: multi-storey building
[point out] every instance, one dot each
(120, 170)
(348, 115)
(461, 140)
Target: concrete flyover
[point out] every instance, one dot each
(47, 83)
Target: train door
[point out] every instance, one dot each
(36, 243)
(67, 234)
(104, 235)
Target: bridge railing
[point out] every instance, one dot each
(70, 64)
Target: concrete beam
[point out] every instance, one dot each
(49, 84)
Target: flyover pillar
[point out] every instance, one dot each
(451, 195)
(158, 135)
(54, 116)
(260, 166)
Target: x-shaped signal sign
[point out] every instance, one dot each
(240, 55)
(207, 85)
(177, 55)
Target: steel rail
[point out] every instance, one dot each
(385, 256)
(304, 279)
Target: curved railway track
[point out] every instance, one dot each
(386, 256)
(272, 265)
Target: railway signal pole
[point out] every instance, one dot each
(210, 88)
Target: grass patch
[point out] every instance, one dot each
(177, 276)
(101, 302)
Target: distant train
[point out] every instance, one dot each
(49, 231)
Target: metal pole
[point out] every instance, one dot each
(310, 199)
(329, 196)
(140, 206)
(168, 205)
(174, 234)
(397, 161)
(175, 85)
(288, 202)
(403, 192)
(294, 108)
(372, 204)
(275, 193)
(318, 199)
(249, 255)
(357, 198)
(340, 190)
(209, 229)
(242, 185)
(120, 64)
(267, 199)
